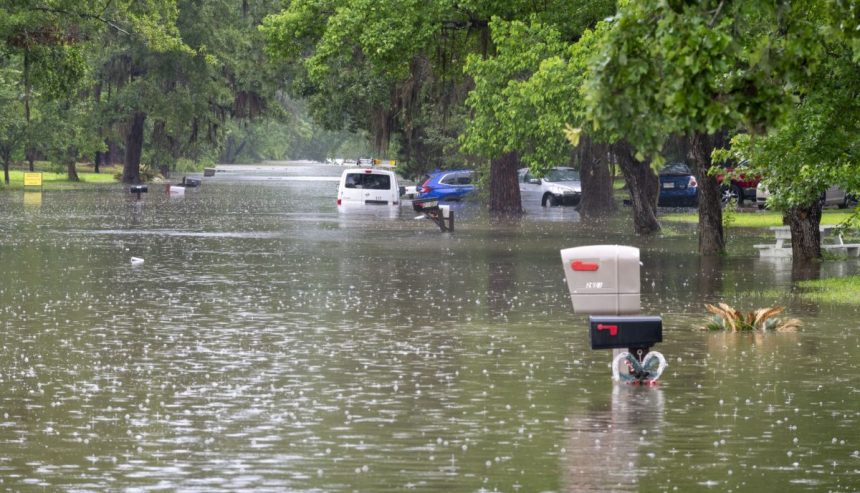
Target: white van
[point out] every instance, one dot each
(368, 186)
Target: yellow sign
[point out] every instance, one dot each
(32, 179)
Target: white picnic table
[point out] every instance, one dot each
(831, 240)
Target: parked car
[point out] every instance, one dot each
(678, 186)
(833, 196)
(368, 186)
(446, 185)
(741, 187)
(560, 186)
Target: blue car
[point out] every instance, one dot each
(678, 186)
(446, 185)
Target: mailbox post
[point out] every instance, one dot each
(603, 281)
(442, 215)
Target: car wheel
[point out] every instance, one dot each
(727, 194)
(549, 200)
(739, 193)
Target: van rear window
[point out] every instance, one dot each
(368, 181)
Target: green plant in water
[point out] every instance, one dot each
(727, 318)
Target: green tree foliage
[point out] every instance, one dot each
(395, 68)
(49, 48)
(162, 79)
(12, 124)
(701, 69)
(512, 111)
(675, 67)
(527, 92)
(54, 41)
(355, 57)
(816, 146)
(175, 98)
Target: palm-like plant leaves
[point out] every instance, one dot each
(727, 318)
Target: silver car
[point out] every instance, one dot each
(560, 186)
(833, 196)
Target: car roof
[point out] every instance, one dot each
(368, 171)
(554, 167)
(447, 171)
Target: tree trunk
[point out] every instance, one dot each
(113, 154)
(70, 156)
(805, 235)
(806, 270)
(643, 185)
(133, 149)
(28, 142)
(597, 194)
(97, 162)
(504, 189)
(711, 238)
(72, 170)
(231, 150)
(381, 128)
(6, 161)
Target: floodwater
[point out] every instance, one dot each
(271, 343)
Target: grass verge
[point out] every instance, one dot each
(52, 180)
(763, 219)
(843, 290)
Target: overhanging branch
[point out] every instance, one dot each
(84, 15)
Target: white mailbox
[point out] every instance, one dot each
(602, 279)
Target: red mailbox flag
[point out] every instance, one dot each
(579, 265)
(613, 329)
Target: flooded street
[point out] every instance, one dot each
(270, 343)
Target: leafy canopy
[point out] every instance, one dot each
(677, 68)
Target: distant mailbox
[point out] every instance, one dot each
(625, 332)
(602, 279)
(138, 189)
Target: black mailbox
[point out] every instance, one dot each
(430, 205)
(138, 189)
(625, 332)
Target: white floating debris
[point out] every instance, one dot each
(136, 261)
